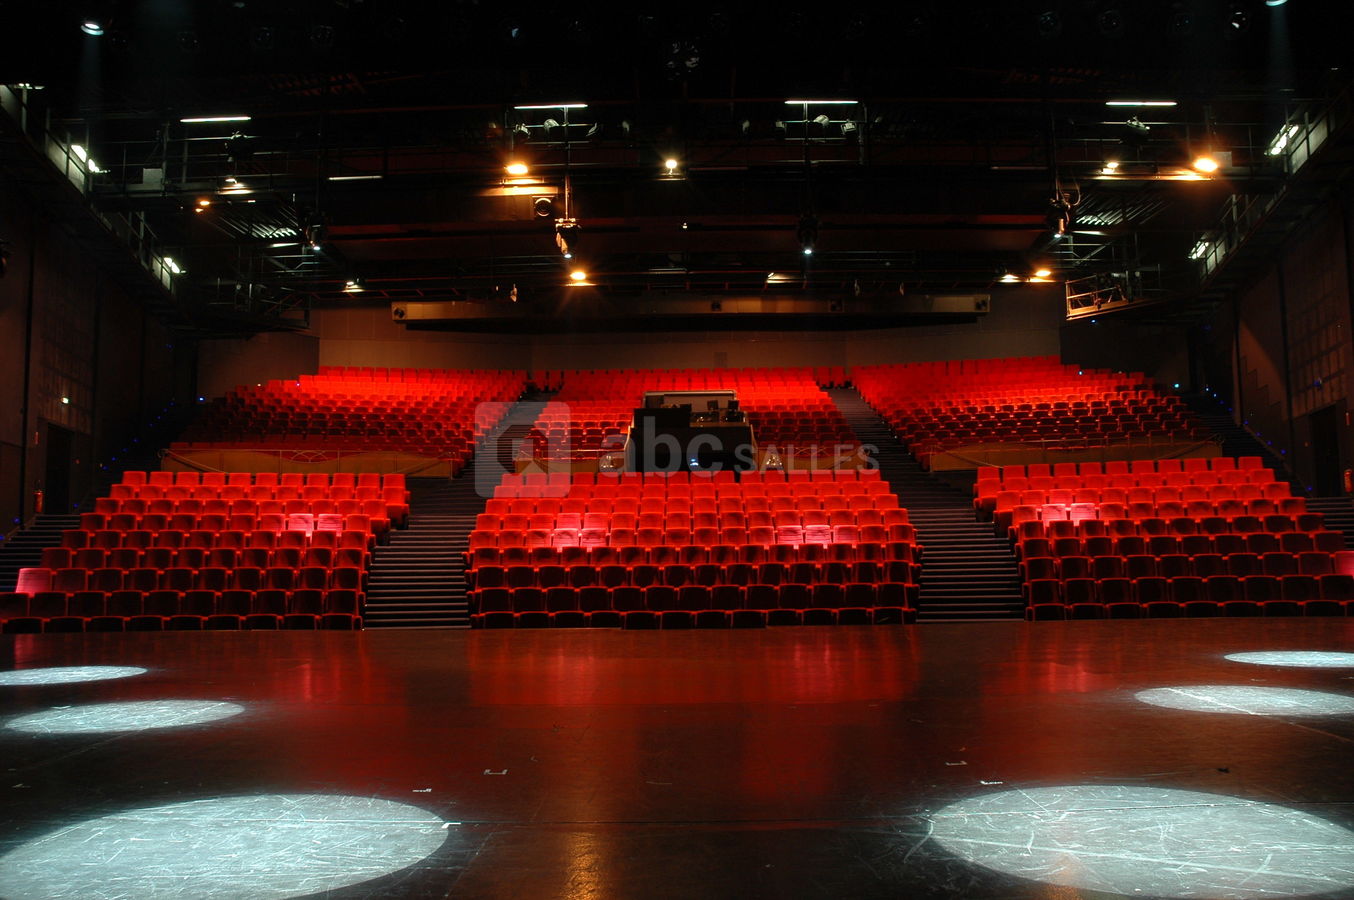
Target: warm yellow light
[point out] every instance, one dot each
(670, 165)
(204, 202)
(578, 275)
(517, 168)
(1042, 273)
(1206, 163)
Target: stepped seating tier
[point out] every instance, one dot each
(951, 414)
(405, 414)
(691, 548)
(1194, 537)
(189, 550)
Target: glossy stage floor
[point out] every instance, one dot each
(1054, 760)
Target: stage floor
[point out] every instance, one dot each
(1002, 760)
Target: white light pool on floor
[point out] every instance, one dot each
(1156, 842)
(67, 674)
(263, 847)
(135, 716)
(1312, 659)
(1247, 700)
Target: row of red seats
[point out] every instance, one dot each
(1218, 595)
(1170, 565)
(686, 517)
(723, 606)
(306, 516)
(206, 538)
(1063, 491)
(185, 578)
(195, 610)
(192, 478)
(1192, 465)
(691, 554)
(1191, 544)
(655, 537)
(1168, 532)
(198, 557)
(753, 496)
(681, 574)
(683, 477)
(1246, 503)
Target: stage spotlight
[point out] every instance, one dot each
(550, 126)
(1042, 273)
(67, 674)
(1273, 3)
(670, 164)
(522, 131)
(821, 120)
(850, 130)
(1180, 23)
(1313, 659)
(1049, 24)
(354, 286)
(92, 27)
(516, 168)
(115, 717)
(1205, 163)
(578, 276)
(1249, 700)
(1145, 841)
(262, 38)
(322, 37)
(567, 235)
(1110, 22)
(265, 846)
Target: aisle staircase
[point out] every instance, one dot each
(418, 579)
(24, 548)
(968, 573)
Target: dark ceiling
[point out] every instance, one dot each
(971, 120)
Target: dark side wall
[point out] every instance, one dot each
(1291, 345)
(68, 332)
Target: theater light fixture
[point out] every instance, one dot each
(670, 164)
(1205, 163)
(201, 120)
(1009, 278)
(92, 27)
(172, 266)
(578, 276)
(1042, 273)
(1282, 140)
(516, 168)
(1272, 3)
(566, 237)
(354, 286)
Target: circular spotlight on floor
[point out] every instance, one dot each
(1309, 659)
(263, 847)
(67, 674)
(1156, 842)
(1253, 701)
(141, 715)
